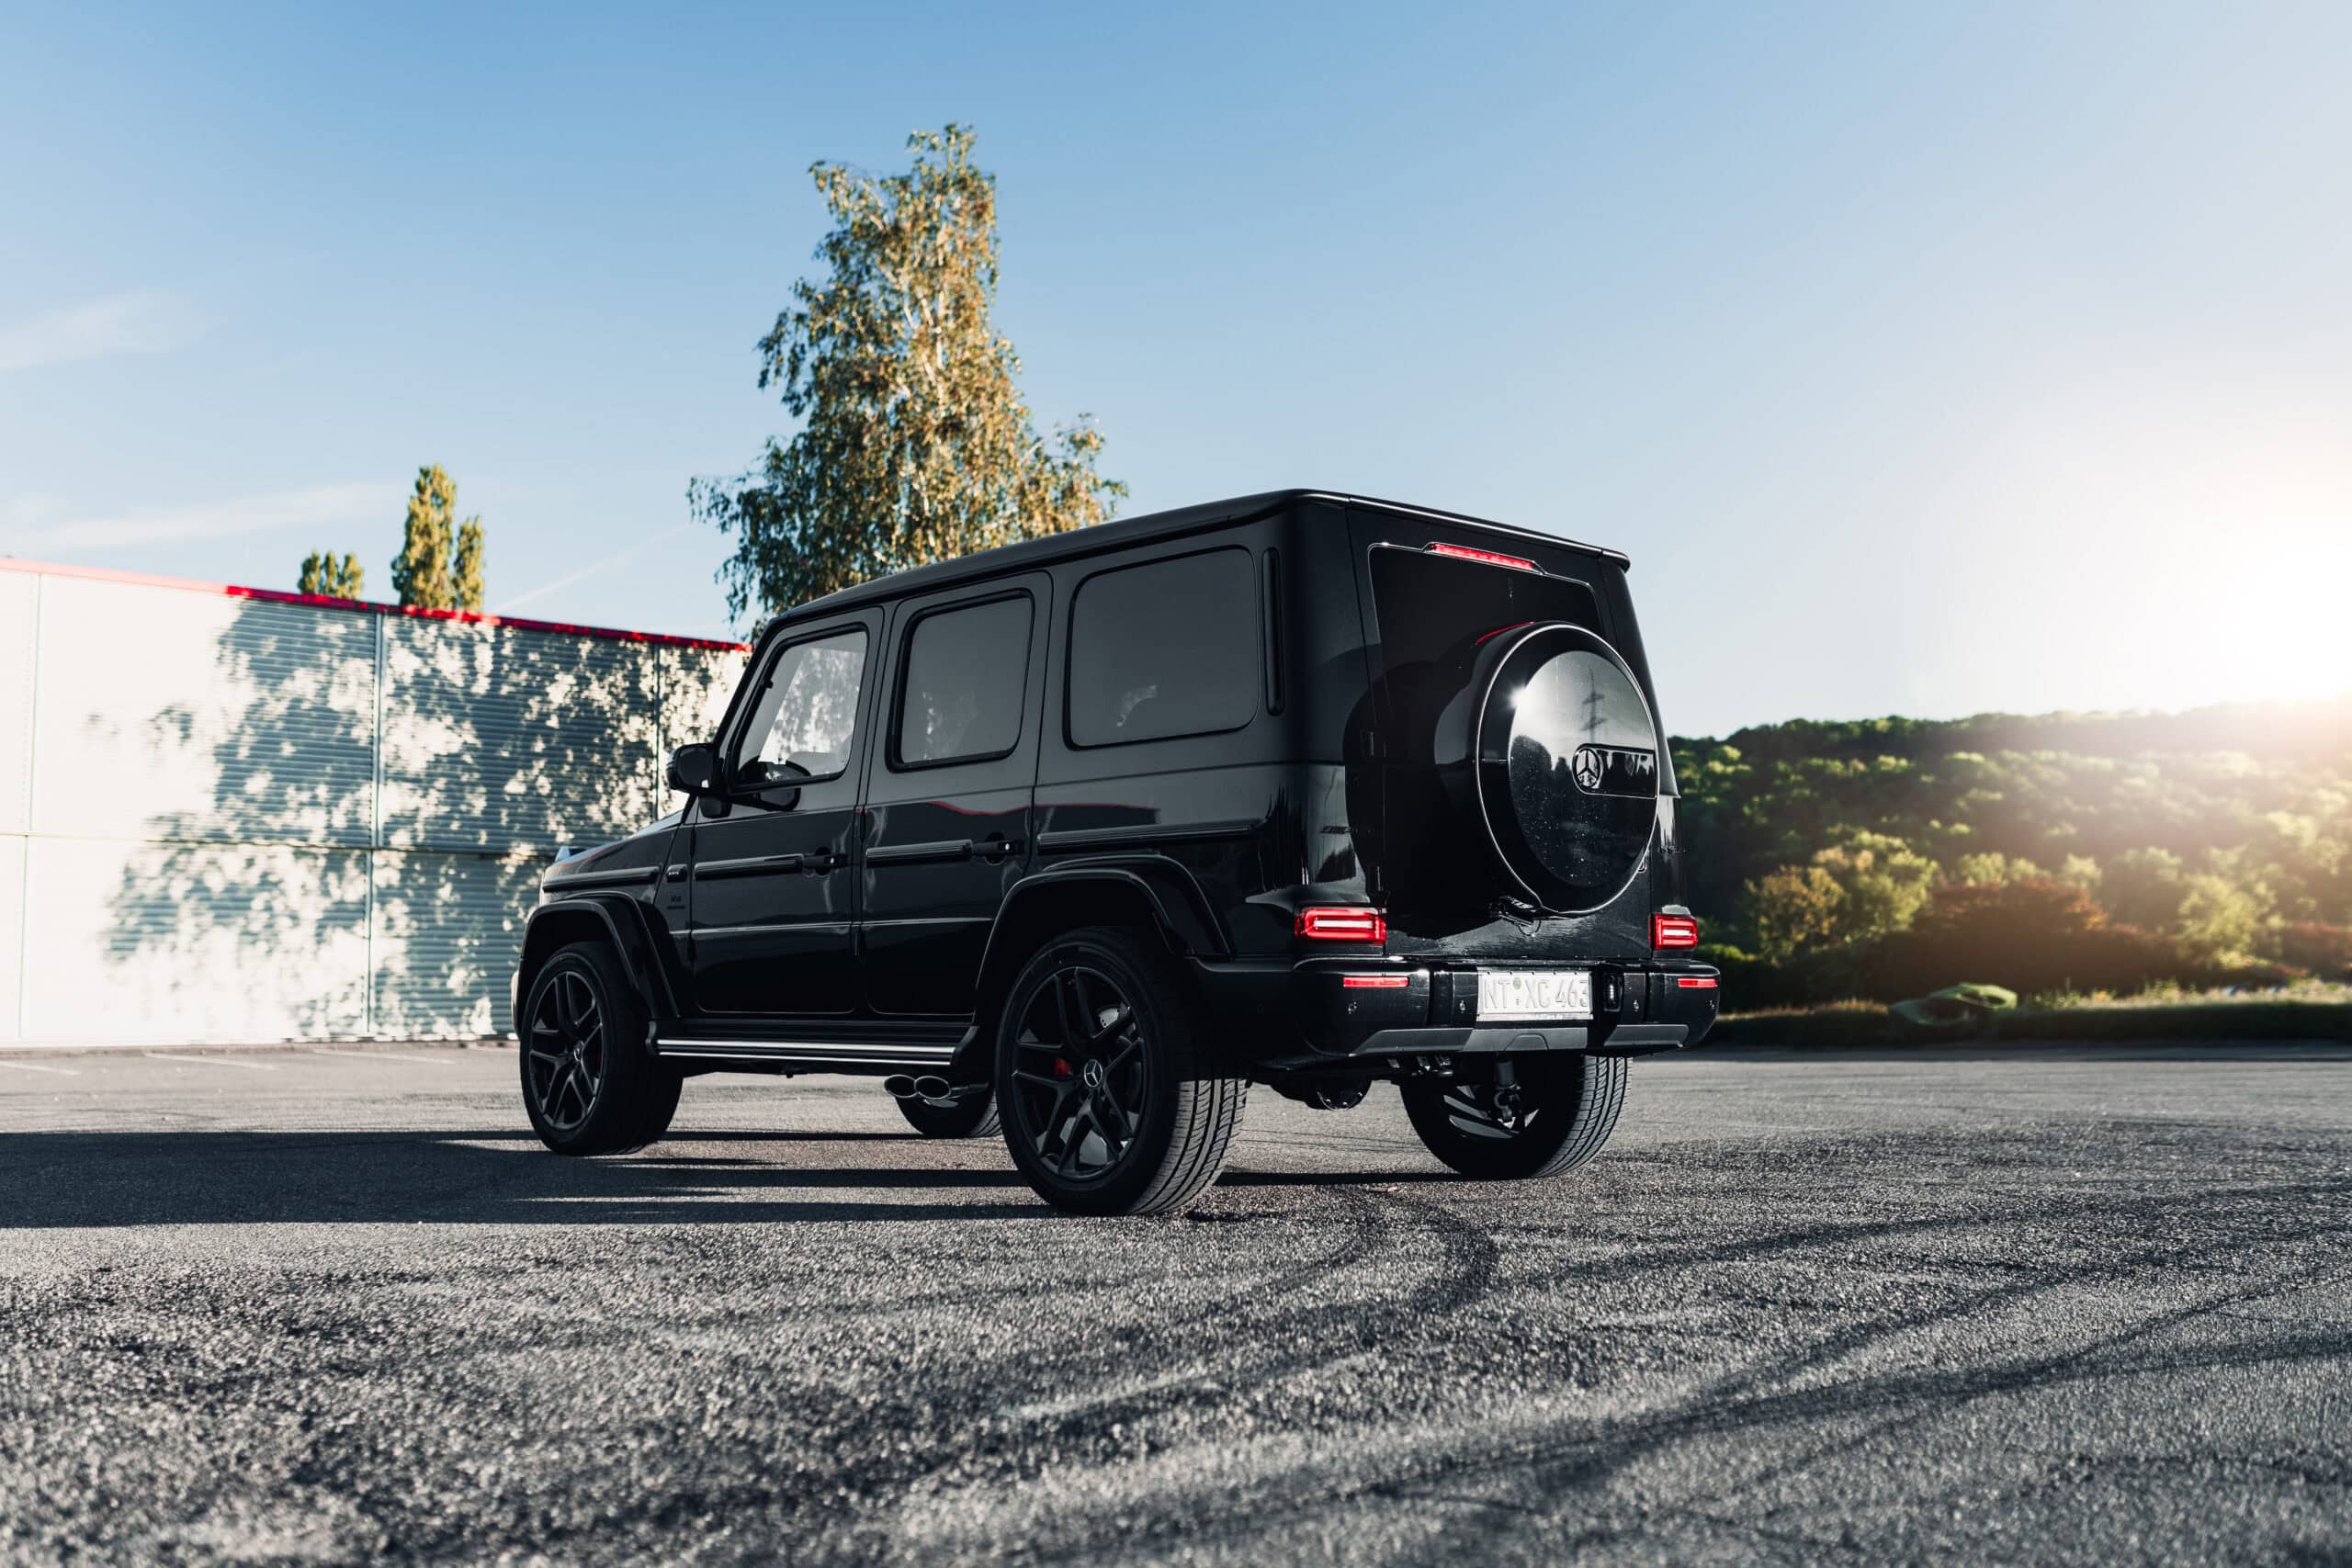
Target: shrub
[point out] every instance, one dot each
(2323, 950)
(2031, 936)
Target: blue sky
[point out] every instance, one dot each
(1925, 360)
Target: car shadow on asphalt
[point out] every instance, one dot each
(50, 1181)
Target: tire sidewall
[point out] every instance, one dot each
(1571, 1105)
(1166, 1054)
(610, 1126)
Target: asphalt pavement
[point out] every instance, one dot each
(2034, 1307)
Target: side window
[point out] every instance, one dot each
(1166, 649)
(804, 716)
(966, 672)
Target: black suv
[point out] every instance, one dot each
(1083, 836)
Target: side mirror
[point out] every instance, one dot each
(694, 769)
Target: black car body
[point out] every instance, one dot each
(1334, 758)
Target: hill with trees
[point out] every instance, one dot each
(1883, 858)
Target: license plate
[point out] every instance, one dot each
(1525, 994)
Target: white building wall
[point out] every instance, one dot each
(228, 819)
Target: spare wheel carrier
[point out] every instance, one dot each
(1551, 754)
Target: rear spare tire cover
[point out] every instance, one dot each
(1566, 765)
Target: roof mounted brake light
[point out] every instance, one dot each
(1353, 923)
(1491, 557)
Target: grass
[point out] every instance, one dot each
(2308, 1010)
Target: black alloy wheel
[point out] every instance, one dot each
(566, 1046)
(1079, 1073)
(1097, 1078)
(590, 1084)
(1525, 1117)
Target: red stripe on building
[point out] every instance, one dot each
(368, 606)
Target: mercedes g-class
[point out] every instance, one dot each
(1082, 836)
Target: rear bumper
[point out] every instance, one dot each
(1432, 1011)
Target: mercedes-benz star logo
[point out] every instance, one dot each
(1586, 768)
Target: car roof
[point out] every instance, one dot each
(1127, 531)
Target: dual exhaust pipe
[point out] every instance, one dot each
(929, 1088)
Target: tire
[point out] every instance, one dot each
(590, 1085)
(1100, 1034)
(1569, 1107)
(975, 1117)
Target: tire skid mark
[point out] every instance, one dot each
(1734, 1407)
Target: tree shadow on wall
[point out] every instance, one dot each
(344, 838)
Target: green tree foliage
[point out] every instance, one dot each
(1884, 882)
(2214, 842)
(332, 575)
(1793, 910)
(2218, 918)
(440, 563)
(915, 445)
(1991, 868)
(2036, 935)
(2143, 887)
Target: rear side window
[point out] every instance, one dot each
(1426, 605)
(965, 670)
(1164, 650)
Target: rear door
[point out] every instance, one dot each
(950, 789)
(1431, 588)
(773, 902)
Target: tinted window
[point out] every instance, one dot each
(1425, 605)
(805, 715)
(967, 670)
(1168, 648)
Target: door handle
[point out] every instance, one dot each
(823, 860)
(996, 850)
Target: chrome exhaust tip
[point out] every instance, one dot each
(900, 1086)
(935, 1089)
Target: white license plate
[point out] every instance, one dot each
(1526, 994)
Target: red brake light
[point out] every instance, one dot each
(1352, 924)
(1492, 558)
(1673, 931)
(1375, 982)
(1696, 982)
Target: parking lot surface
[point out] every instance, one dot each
(325, 1305)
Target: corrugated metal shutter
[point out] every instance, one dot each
(197, 776)
(167, 714)
(12, 932)
(194, 940)
(19, 596)
(497, 739)
(448, 932)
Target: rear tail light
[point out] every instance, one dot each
(1695, 982)
(1375, 982)
(1354, 924)
(1673, 931)
(1491, 557)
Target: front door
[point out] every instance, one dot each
(775, 886)
(949, 795)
